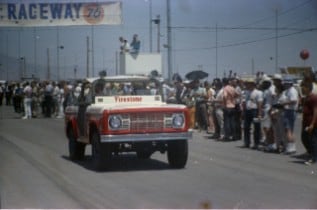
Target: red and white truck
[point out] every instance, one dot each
(120, 114)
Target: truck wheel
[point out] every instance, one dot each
(76, 149)
(100, 153)
(177, 153)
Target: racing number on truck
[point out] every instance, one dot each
(93, 13)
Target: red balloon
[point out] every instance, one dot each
(304, 54)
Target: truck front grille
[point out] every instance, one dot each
(140, 122)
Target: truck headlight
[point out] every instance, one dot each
(178, 120)
(115, 121)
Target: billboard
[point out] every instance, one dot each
(60, 14)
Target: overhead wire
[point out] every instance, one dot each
(246, 27)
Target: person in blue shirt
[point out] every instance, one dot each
(135, 44)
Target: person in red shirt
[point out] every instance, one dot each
(309, 122)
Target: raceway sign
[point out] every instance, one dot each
(60, 14)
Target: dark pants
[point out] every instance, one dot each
(306, 140)
(216, 123)
(201, 114)
(249, 116)
(237, 119)
(1, 98)
(81, 118)
(8, 98)
(17, 103)
(313, 143)
(229, 122)
(48, 103)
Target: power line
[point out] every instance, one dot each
(248, 42)
(238, 28)
(280, 13)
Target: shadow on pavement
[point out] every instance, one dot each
(125, 162)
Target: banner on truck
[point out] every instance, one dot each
(60, 14)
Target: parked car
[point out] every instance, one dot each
(120, 114)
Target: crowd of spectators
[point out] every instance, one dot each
(263, 106)
(260, 108)
(35, 99)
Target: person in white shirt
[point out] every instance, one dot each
(124, 45)
(199, 94)
(27, 101)
(217, 103)
(268, 95)
(290, 106)
(210, 96)
(252, 113)
(276, 115)
(60, 100)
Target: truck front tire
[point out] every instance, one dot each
(100, 153)
(76, 149)
(177, 153)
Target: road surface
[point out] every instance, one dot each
(35, 172)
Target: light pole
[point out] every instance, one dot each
(150, 27)
(87, 54)
(157, 21)
(22, 67)
(48, 64)
(92, 51)
(75, 72)
(36, 37)
(169, 40)
(7, 57)
(60, 47)
(276, 40)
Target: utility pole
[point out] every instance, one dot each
(117, 62)
(57, 50)
(48, 64)
(169, 41)
(35, 44)
(216, 50)
(150, 27)
(92, 51)
(7, 57)
(24, 66)
(276, 40)
(87, 70)
(19, 53)
(157, 22)
(252, 66)
(75, 72)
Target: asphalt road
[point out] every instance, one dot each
(35, 172)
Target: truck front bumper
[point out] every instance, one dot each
(147, 137)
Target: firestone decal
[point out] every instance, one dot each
(120, 99)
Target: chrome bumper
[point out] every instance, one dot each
(147, 137)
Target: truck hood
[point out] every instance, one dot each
(114, 103)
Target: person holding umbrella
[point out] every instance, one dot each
(196, 75)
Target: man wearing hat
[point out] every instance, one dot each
(252, 113)
(277, 117)
(290, 106)
(268, 95)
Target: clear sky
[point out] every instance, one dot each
(213, 35)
